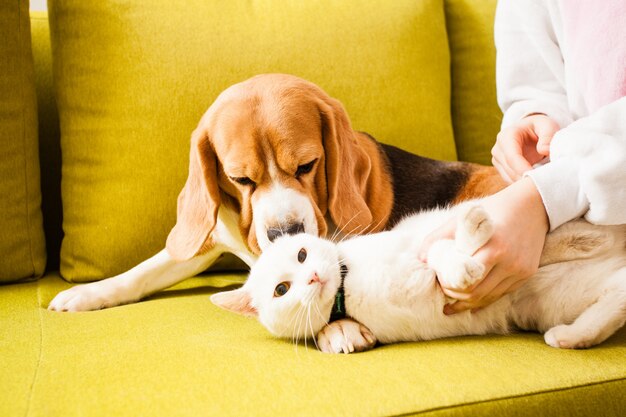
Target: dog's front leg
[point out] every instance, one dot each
(150, 276)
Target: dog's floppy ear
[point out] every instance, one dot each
(198, 202)
(347, 170)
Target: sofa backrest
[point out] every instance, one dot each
(49, 138)
(475, 115)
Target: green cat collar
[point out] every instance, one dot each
(339, 308)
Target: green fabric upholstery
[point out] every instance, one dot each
(475, 112)
(176, 354)
(133, 81)
(22, 244)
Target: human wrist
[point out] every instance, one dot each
(519, 200)
(532, 203)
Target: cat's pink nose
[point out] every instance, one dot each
(314, 279)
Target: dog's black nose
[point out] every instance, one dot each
(291, 229)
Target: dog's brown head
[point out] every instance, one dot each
(282, 152)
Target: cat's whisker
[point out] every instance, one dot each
(304, 323)
(301, 314)
(311, 327)
(359, 229)
(341, 230)
(307, 324)
(376, 226)
(296, 328)
(289, 326)
(353, 231)
(334, 235)
(319, 313)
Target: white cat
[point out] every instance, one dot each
(578, 296)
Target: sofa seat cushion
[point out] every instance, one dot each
(22, 245)
(177, 354)
(133, 81)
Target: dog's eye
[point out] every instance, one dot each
(302, 255)
(242, 180)
(281, 289)
(306, 168)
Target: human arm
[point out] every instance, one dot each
(587, 176)
(587, 173)
(530, 74)
(511, 255)
(531, 85)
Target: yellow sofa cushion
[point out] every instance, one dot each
(475, 112)
(22, 245)
(133, 81)
(49, 137)
(176, 354)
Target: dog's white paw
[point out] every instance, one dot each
(85, 297)
(565, 337)
(345, 336)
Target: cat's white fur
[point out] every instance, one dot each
(577, 298)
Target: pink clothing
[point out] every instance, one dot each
(594, 36)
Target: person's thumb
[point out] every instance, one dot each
(545, 128)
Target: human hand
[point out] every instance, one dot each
(511, 255)
(520, 146)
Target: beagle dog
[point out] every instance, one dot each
(275, 154)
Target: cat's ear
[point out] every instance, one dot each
(238, 301)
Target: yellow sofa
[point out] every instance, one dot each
(175, 354)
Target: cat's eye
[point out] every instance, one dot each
(305, 168)
(302, 255)
(281, 289)
(243, 180)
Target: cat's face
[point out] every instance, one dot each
(291, 288)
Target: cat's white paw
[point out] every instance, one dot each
(86, 297)
(565, 337)
(455, 270)
(345, 336)
(474, 229)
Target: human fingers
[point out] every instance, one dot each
(489, 290)
(506, 287)
(446, 231)
(502, 279)
(545, 128)
(481, 293)
(509, 151)
(497, 160)
(475, 293)
(514, 158)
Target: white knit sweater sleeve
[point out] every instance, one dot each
(529, 64)
(587, 172)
